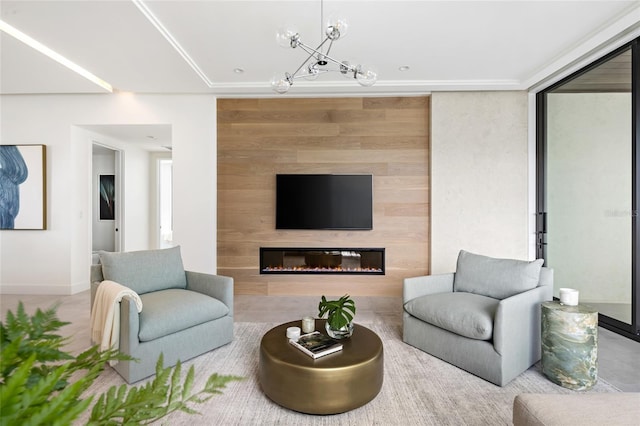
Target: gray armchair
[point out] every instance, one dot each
(184, 313)
(484, 318)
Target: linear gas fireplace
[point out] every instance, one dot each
(276, 260)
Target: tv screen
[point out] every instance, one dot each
(324, 202)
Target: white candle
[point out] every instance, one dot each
(308, 325)
(569, 296)
(293, 333)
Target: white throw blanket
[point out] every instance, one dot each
(105, 315)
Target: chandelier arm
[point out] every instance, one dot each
(312, 52)
(310, 49)
(349, 67)
(294, 77)
(303, 47)
(335, 61)
(329, 48)
(324, 56)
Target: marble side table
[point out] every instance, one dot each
(570, 345)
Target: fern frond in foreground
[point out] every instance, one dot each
(152, 401)
(40, 384)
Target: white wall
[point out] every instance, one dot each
(56, 261)
(479, 172)
(479, 179)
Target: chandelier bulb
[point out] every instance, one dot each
(336, 27)
(366, 75)
(313, 71)
(333, 32)
(281, 84)
(287, 37)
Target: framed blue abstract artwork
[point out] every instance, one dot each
(23, 187)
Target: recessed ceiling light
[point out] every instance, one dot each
(404, 68)
(238, 70)
(35, 44)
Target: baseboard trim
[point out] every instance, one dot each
(44, 289)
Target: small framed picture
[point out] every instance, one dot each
(107, 190)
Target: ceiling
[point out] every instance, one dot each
(447, 45)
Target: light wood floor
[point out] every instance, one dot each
(617, 356)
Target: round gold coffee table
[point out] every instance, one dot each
(331, 384)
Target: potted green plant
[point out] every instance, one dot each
(340, 315)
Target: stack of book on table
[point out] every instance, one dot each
(316, 344)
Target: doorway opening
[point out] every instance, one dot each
(107, 198)
(165, 202)
(138, 146)
(588, 189)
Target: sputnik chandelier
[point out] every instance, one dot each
(319, 62)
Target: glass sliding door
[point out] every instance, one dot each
(586, 187)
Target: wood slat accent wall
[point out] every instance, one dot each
(386, 137)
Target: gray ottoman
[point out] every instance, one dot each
(530, 409)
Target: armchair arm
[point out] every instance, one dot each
(428, 284)
(129, 320)
(129, 325)
(95, 278)
(517, 322)
(94, 291)
(216, 286)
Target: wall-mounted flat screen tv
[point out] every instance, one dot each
(307, 201)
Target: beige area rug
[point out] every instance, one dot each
(418, 389)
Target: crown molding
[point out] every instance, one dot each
(604, 40)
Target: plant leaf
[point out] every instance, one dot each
(40, 384)
(339, 312)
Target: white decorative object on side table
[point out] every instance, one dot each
(293, 333)
(308, 325)
(569, 296)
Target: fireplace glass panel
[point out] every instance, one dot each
(321, 260)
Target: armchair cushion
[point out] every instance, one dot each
(497, 278)
(146, 270)
(164, 312)
(466, 314)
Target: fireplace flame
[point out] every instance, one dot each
(305, 268)
(274, 260)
